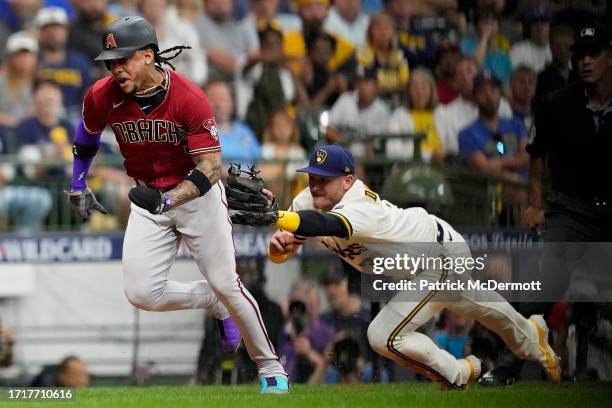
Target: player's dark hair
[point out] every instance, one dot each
(159, 55)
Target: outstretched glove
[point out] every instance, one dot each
(248, 204)
(83, 202)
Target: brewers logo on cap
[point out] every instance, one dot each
(330, 161)
(321, 156)
(110, 42)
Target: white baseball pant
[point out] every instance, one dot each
(150, 245)
(392, 333)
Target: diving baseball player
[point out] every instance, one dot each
(168, 137)
(346, 216)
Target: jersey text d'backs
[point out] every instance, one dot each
(158, 148)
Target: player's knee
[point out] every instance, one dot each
(142, 298)
(223, 288)
(377, 337)
(410, 345)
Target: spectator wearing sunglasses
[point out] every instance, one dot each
(494, 145)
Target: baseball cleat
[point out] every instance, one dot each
(274, 385)
(498, 377)
(548, 359)
(230, 335)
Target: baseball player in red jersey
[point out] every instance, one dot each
(168, 137)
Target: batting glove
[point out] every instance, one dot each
(151, 199)
(83, 202)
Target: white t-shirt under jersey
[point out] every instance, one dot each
(371, 220)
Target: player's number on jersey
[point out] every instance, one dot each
(370, 194)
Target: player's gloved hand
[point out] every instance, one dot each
(83, 202)
(151, 199)
(247, 202)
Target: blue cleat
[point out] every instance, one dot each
(230, 335)
(274, 385)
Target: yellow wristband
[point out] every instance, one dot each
(288, 221)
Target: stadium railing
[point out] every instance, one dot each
(462, 196)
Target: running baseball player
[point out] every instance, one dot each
(168, 137)
(346, 216)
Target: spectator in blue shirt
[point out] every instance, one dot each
(238, 143)
(68, 68)
(46, 131)
(65, 4)
(494, 145)
(489, 48)
(25, 207)
(13, 16)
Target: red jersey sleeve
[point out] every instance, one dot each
(202, 133)
(93, 117)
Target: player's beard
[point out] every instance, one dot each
(323, 203)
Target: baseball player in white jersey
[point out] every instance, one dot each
(168, 137)
(346, 216)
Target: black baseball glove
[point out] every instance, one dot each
(83, 202)
(248, 205)
(151, 199)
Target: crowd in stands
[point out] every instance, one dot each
(271, 66)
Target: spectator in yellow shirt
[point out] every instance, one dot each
(384, 57)
(417, 116)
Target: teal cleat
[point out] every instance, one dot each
(274, 385)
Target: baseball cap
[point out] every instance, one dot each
(50, 15)
(483, 77)
(330, 161)
(21, 41)
(592, 36)
(540, 12)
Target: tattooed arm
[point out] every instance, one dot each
(210, 165)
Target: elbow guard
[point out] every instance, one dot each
(84, 151)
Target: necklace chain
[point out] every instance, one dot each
(155, 89)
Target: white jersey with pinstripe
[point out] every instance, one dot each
(370, 220)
